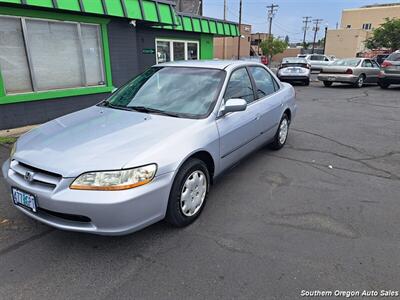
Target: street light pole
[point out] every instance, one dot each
(240, 27)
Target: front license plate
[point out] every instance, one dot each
(331, 78)
(23, 199)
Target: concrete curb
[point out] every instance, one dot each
(16, 132)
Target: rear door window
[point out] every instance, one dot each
(367, 64)
(317, 57)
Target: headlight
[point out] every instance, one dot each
(13, 149)
(115, 180)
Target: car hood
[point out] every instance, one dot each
(94, 139)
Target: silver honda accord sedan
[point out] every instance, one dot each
(151, 150)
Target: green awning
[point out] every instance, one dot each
(194, 23)
(161, 12)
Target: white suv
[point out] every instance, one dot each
(317, 61)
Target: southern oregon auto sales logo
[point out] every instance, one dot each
(350, 294)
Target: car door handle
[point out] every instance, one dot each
(257, 117)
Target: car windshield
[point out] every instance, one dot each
(294, 60)
(175, 91)
(346, 62)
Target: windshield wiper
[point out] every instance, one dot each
(108, 104)
(154, 111)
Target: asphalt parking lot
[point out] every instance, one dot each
(321, 214)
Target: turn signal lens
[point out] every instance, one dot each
(115, 180)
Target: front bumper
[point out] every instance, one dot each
(343, 78)
(106, 212)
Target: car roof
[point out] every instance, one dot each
(210, 64)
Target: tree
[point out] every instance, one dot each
(273, 46)
(386, 36)
(287, 39)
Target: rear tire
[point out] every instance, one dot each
(360, 81)
(281, 134)
(188, 193)
(328, 83)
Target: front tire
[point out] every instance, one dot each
(307, 82)
(188, 193)
(328, 83)
(281, 134)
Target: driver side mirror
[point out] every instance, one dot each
(234, 105)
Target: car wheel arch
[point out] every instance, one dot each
(202, 155)
(287, 112)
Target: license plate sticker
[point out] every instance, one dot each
(23, 199)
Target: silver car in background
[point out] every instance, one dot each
(354, 71)
(294, 69)
(151, 150)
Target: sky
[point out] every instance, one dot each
(288, 19)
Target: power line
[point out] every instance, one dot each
(306, 20)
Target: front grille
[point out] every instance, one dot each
(38, 176)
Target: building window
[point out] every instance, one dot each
(367, 26)
(172, 50)
(348, 26)
(43, 55)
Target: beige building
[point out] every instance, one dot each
(356, 26)
(231, 44)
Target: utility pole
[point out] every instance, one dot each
(316, 29)
(306, 20)
(272, 9)
(326, 33)
(224, 38)
(240, 27)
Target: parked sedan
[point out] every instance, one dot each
(151, 150)
(295, 69)
(390, 70)
(355, 71)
